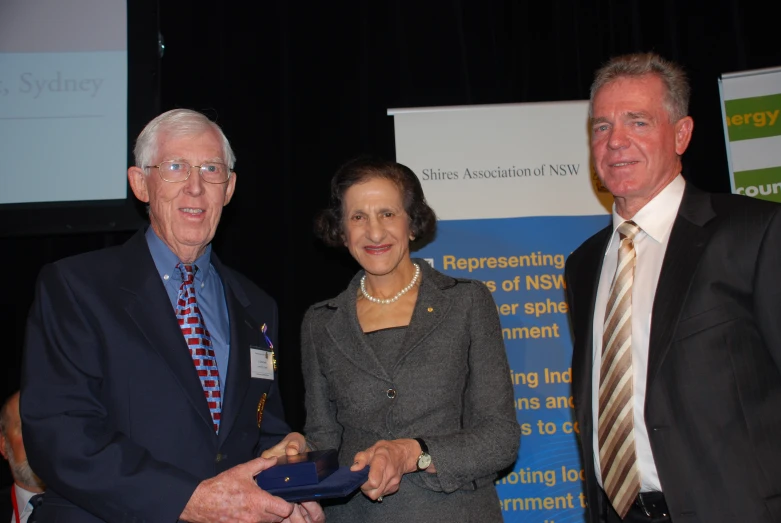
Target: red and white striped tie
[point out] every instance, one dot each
(199, 341)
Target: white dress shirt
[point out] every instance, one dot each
(656, 221)
(23, 503)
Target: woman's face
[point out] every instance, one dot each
(376, 227)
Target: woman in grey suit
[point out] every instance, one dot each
(406, 370)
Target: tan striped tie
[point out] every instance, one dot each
(617, 455)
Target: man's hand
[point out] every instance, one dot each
(233, 496)
(292, 444)
(307, 512)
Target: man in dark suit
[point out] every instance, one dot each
(148, 388)
(17, 501)
(675, 313)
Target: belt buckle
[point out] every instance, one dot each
(641, 503)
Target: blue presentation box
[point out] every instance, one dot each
(341, 484)
(308, 468)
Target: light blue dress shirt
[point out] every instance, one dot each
(208, 291)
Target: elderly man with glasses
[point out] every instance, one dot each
(149, 387)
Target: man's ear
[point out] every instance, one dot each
(229, 190)
(137, 179)
(683, 134)
(3, 443)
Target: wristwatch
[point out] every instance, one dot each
(424, 460)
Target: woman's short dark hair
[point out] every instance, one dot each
(329, 224)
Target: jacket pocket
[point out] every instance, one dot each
(702, 321)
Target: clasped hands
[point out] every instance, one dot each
(388, 461)
(234, 496)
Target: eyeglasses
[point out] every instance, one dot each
(177, 171)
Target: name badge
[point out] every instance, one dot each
(261, 363)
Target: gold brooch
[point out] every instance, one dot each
(261, 406)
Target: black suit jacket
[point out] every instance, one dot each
(6, 506)
(713, 398)
(114, 416)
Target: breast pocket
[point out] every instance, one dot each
(716, 316)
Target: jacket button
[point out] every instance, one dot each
(391, 393)
(218, 458)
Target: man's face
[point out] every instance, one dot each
(184, 214)
(12, 447)
(635, 148)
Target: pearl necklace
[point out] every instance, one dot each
(401, 293)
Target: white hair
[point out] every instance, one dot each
(176, 123)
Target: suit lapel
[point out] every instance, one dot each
(149, 307)
(345, 331)
(586, 286)
(237, 381)
(430, 309)
(688, 239)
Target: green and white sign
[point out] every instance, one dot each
(751, 108)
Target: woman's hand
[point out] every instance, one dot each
(306, 512)
(292, 444)
(388, 461)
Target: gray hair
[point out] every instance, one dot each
(636, 65)
(176, 123)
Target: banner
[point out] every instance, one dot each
(751, 106)
(515, 194)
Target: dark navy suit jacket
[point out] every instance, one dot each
(114, 416)
(6, 507)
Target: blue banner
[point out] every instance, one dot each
(522, 261)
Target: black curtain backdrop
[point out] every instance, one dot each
(300, 87)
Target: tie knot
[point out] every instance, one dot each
(36, 501)
(188, 271)
(628, 229)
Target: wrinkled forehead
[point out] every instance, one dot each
(629, 96)
(181, 144)
(374, 188)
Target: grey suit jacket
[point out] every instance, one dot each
(452, 388)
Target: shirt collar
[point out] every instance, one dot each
(166, 261)
(656, 218)
(22, 497)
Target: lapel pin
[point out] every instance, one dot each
(431, 309)
(263, 329)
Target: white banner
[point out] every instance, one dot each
(500, 161)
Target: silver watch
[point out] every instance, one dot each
(424, 460)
